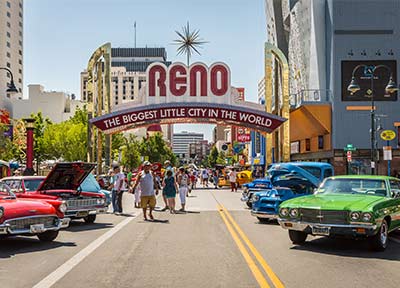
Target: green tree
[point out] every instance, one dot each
(156, 149)
(221, 158)
(8, 150)
(130, 152)
(212, 158)
(38, 145)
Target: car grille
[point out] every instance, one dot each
(324, 216)
(268, 202)
(25, 223)
(80, 203)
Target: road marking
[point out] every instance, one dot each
(61, 271)
(275, 280)
(252, 265)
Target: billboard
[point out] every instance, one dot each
(363, 76)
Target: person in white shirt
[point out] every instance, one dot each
(120, 187)
(232, 180)
(183, 184)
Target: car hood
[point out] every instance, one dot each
(66, 176)
(259, 184)
(23, 208)
(335, 201)
(66, 194)
(287, 168)
(90, 184)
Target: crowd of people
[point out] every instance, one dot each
(147, 184)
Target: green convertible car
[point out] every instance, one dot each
(354, 206)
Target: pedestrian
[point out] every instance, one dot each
(138, 193)
(232, 180)
(168, 167)
(215, 178)
(204, 176)
(148, 184)
(193, 180)
(183, 181)
(120, 187)
(169, 190)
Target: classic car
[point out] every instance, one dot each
(350, 206)
(314, 172)
(63, 183)
(266, 203)
(90, 184)
(243, 177)
(30, 217)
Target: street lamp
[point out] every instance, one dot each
(390, 88)
(11, 87)
(30, 126)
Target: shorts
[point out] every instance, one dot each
(148, 200)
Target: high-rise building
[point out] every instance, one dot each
(181, 142)
(11, 45)
(128, 76)
(325, 41)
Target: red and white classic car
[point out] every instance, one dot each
(62, 183)
(30, 217)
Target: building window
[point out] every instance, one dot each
(8, 14)
(8, 25)
(20, 61)
(19, 80)
(8, 65)
(20, 71)
(8, 75)
(8, 45)
(308, 145)
(8, 34)
(20, 43)
(20, 14)
(20, 90)
(321, 142)
(8, 54)
(20, 52)
(8, 4)
(20, 33)
(20, 24)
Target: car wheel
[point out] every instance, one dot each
(263, 220)
(380, 240)
(48, 236)
(297, 237)
(249, 204)
(90, 218)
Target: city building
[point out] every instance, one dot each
(324, 41)
(199, 151)
(11, 46)
(128, 76)
(181, 142)
(57, 106)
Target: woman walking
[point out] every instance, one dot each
(169, 190)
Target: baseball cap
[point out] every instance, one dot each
(167, 162)
(146, 163)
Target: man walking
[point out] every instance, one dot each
(168, 167)
(232, 180)
(147, 182)
(120, 187)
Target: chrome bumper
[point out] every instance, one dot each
(80, 213)
(5, 228)
(305, 226)
(264, 215)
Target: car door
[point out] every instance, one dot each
(395, 195)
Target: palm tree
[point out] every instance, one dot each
(189, 42)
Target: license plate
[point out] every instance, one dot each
(82, 213)
(320, 231)
(37, 228)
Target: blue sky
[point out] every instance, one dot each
(61, 35)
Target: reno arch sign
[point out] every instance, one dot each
(194, 94)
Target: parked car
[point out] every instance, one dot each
(63, 183)
(313, 172)
(243, 177)
(90, 184)
(351, 206)
(265, 204)
(30, 217)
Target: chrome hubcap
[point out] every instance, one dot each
(383, 233)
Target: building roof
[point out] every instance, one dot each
(137, 66)
(139, 52)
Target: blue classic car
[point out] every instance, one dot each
(250, 188)
(287, 181)
(90, 184)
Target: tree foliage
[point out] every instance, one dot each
(156, 149)
(7, 148)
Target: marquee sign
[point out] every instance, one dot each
(182, 94)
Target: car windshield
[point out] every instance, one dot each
(312, 170)
(5, 191)
(362, 186)
(32, 184)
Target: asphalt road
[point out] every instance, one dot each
(216, 244)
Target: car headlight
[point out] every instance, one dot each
(284, 212)
(294, 212)
(255, 198)
(100, 201)
(1, 212)
(355, 216)
(366, 217)
(62, 207)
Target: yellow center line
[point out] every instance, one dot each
(275, 280)
(252, 265)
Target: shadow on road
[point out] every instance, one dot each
(349, 248)
(13, 246)
(76, 226)
(269, 222)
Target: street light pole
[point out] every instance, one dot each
(391, 87)
(11, 87)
